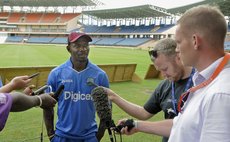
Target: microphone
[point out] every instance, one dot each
(58, 92)
(103, 109)
(90, 82)
(101, 104)
(40, 90)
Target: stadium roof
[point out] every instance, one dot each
(182, 9)
(129, 12)
(47, 3)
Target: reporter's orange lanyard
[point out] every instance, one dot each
(205, 83)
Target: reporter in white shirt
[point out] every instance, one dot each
(205, 116)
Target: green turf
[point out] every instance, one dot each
(43, 55)
(26, 126)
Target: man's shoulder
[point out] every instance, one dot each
(224, 75)
(165, 82)
(163, 85)
(95, 67)
(221, 83)
(60, 67)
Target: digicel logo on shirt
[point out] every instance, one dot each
(77, 96)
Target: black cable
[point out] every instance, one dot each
(110, 135)
(115, 139)
(42, 129)
(120, 137)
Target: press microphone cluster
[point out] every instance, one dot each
(43, 88)
(102, 105)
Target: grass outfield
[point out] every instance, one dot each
(27, 126)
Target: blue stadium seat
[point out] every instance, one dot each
(59, 40)
(132, 41)
(227, 46)
(108, 41)
(40, 39)
(163, 28)
(14, 38)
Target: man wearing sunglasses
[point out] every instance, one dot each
(204, 117)
(166, 95)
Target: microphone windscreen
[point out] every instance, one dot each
(102, 106)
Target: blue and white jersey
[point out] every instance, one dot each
(1, 84)
(76, 112)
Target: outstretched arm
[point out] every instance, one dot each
(16, 83)
(23, 102)
(132, 109)
(48, 115)
(161, 128)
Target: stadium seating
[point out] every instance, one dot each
(101, 35)
(163, 28)
(14, 38)
(59, 40)
(32, 17)
(15, 17)
(38, 17)
(68, 16)
(144, 29)
(95, 40)
(49, 17)
(106, 29)
(46, 40)
(108, 41)
(132, 41)
(90, 28)
(126, 29)
(227, 46)
(4, 14)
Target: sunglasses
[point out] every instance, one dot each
(153, 53)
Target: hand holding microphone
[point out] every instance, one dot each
(129, 123)
(29, 90)
(42, 89)
(48, 100)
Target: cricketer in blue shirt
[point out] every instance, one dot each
(76, 120)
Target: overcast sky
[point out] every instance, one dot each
(161, 3)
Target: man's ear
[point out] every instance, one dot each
(196, 41)
(177, 58)
(68, 48)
